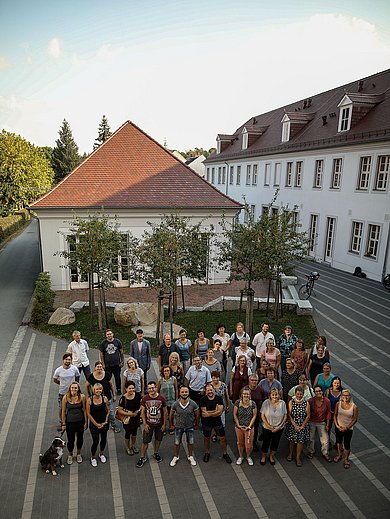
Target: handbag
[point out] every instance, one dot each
(126, 420)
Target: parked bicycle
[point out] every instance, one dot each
(386, 281)
(306, 290)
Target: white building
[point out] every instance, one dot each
(328, 157)
(137, 180)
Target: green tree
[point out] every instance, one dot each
(25, 172)
(94, 245)
(171, 250)
(66, 153)
(104, 132)
(261, 249)
(197, 152)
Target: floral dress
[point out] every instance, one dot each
(298, 413)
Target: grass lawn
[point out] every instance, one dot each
(303, 326)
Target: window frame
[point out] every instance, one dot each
(355, 244)
(382, 173)
(336, 174)
(364, 174)
(298, 173)
(248, 174)
(373, 227)
(238, 175)
(289, 173)
(254, 174)
(318, 174)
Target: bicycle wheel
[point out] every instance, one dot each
(386, 281)
(304, 292)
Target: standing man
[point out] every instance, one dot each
(165, 350)
(64, 376)
(259, 341)
(196, 379)
(257, 395)
(111, 356)
(154, 417)
(140, 351)
(78, 349)
(185, 415)
(320, 417)
(211, 406)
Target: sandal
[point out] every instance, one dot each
(310, 455)
(347, 464)
(298, 463)
(289, 458)
(337, 458)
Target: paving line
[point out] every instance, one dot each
(356, 323)
(34, 464)
(358, 337)
(73, 506)
(338, 490)
(295, 492)
(365, 452)
(119, 509)
(12, 354)
(373, 439)
(370, 476)
(160, 490)
(359, 357)
(15, 394)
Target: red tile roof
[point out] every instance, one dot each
(132, 170)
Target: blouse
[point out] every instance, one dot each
(245, 414)
(274, 415)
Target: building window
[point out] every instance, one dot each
(249, 213)
(219, 175)
(244, 140)
(267, 174)
(218, 146)
(298, 173)
(248, 175)
(289, 174)
(313, 232)
(213, 175)
(223, 175)
(382, 174)
(372, 241)
(265, 209)
(254, 175)
(336, 174)
(208, 174)
(277, 174)
(238, 178)
(319, 171)
(364, 173)
(356, 237)
(345, 118)
(231, 175)
(285, 130)
(274, 211)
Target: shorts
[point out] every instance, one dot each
(219, 431)
(147, 436)
(189, 435)
(60, 397)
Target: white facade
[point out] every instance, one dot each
(55, 226)
(341, 196)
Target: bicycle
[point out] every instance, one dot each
(386, 281)
(306, 290)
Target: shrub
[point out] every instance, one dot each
(43, 299)
(10, 224)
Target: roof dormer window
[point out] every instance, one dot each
(285, 129)
(345, 116)
(218, 146)
(244, 139)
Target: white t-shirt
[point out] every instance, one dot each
(79, 352)
(259, 341)
(66, 377)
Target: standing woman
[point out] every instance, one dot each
(201, 345)
(177, 370)
(184, 346)
(297, 428)
(129, 410)
(324, 379)
(134, 373)
(167, 387)
(333, 394)
(286, 343)
(299, 355)
(290, 378)
(224, 338)
(221, 390)
(317, 361)
(272, 355)
(74, 419)
(345, 417)
(274, 416)
(262, 370)
(235, 338)
(98, 412)
(239, 378)
(244, 414)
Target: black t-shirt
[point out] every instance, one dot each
(111, 352)
(131, 405)
(105, 382)
(211, 405)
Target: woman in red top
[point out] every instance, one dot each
(239, 378)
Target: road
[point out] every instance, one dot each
(353, 313)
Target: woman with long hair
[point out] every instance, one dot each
(74, 420)
(244, 414)
(98, 413)
(297, 428)
(134, 373)
(345, 417)
(129, 410)
(274, 416)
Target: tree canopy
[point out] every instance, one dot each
(197, 152)
(66, 152)
(25, 172)
(104, 132)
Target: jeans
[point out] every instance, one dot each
(323, 435)
(86, 370)
(116, 374)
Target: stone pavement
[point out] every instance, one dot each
(118, 489)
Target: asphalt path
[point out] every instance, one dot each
(353, 313)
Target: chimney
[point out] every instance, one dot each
(324, 120)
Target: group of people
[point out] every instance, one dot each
(274, 388)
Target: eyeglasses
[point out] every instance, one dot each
(317, 391)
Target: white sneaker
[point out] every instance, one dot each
(79, 458)
(250, 461)
(69, 459)
(102, 457)
(94, 462)
(174, 460)
(239, 461)
(192, 460)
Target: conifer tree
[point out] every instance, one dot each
(65, 154)
(104, 132)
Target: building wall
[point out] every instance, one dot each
(347, 204)
(55, 225)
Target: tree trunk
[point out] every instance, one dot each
(249, 311)
(91, 295)
(182, 293)
(159, 308)
(171, 320)
(100, 322)
(103, 298)
(268, 296)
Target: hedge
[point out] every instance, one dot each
(12, 223)
(43, 299)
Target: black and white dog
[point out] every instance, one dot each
(52, 456)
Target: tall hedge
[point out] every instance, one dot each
(43, 299)
(10, 224)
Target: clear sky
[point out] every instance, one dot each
(181, 70)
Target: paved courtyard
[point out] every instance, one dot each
(353, 313)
